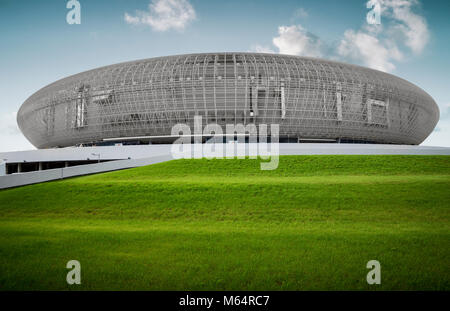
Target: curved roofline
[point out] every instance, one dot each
(246, 53)
(60, 95)
(317, 59)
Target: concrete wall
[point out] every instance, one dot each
(161, 153)
(21, 179)
(2, 168)
(84, 153)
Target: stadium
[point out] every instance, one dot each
(154, 146)
(312, 100)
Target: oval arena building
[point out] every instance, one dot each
(312, 100)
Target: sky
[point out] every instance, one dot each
(38, 46)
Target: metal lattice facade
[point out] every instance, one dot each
(309, 98)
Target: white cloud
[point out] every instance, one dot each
(164, 15)
(411, 25)
(295, 40)
(300, 13)
(132, 19)
(11, 137)
(402, 33)
(378, 46)
(366, 48)
(261, 49)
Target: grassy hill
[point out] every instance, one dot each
(312, 224)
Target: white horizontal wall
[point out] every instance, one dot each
(162, 153)
(21, 179)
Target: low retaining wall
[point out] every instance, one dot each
(162, 153)
(21, 179)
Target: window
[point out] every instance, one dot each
(377, 112)
(81, 108)
(49, 118)
(339, 101)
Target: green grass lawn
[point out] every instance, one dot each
(312, 224)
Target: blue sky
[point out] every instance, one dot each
(38, 46)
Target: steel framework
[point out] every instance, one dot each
(309, 98)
